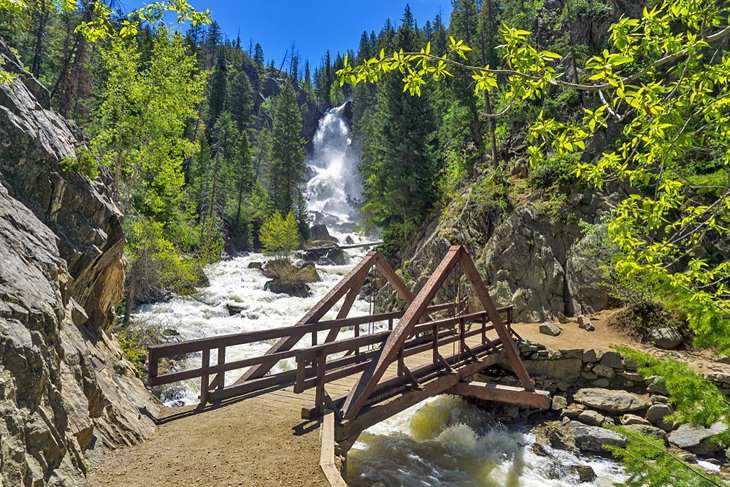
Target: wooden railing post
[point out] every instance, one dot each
(484, 329)
(321, 362)
(153, 365)
(435, 343)
(205, 377)
(401, 362)
(462, 338)
(221, 372)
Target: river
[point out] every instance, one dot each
(444, 441)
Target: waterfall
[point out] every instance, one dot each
(335, 182)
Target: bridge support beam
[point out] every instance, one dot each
(500, 393)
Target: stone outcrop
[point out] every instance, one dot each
(66, 391)
(540, 263)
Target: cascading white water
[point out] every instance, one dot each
(443, 441)
(335, 185)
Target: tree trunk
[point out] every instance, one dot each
(35, 68)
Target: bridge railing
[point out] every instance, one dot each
(215, 388)
(314, 371)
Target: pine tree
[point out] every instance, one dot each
(239, 100)
(399, 167)
(217, 89)
(287, 171)
(258, 56)
(243, 174)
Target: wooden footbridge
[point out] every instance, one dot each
(376, 372)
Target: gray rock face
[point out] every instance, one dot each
(594, 439)
(666, 338)
(696, 439)
(527, 258)
(550, 329)
(66, 391)
(614, 402)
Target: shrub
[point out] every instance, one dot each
(280, 234)
(82, 163)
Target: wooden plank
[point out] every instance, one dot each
(314, 314)
(346, 306)
(501, 393)
(327, 453)
(510, 349)
(370, 377)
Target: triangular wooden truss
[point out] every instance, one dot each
(457, 255)
(349, 286)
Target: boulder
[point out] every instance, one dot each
(321, 233)
(562, 319)
(667, 338)
(612, 359)
(697, 439)
(295, 289)
(585, 473)
(550, 329)
(648, 430)
(657, 412)
(591, 418)
(585, 324)
(657, 386)
(614, 402)
(602, 371)
(594, 439)
(349, 240)
(255, 265)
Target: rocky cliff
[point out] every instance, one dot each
(531, 252)
(66, 391)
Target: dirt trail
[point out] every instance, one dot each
(605, 336)
(246, 443)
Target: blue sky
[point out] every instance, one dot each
(314, 25)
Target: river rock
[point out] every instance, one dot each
(292, 288)
(255, 265)
(657, 412)
(550, 329)
(321, 233)
(696, 439)
(558, 403)
(585, 473)
(667, 338)
(591, 418)
(594, 439)
(615, 402)
(631, 419)
(648, 430)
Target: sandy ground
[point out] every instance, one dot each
(258, 441)
(246, 443)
